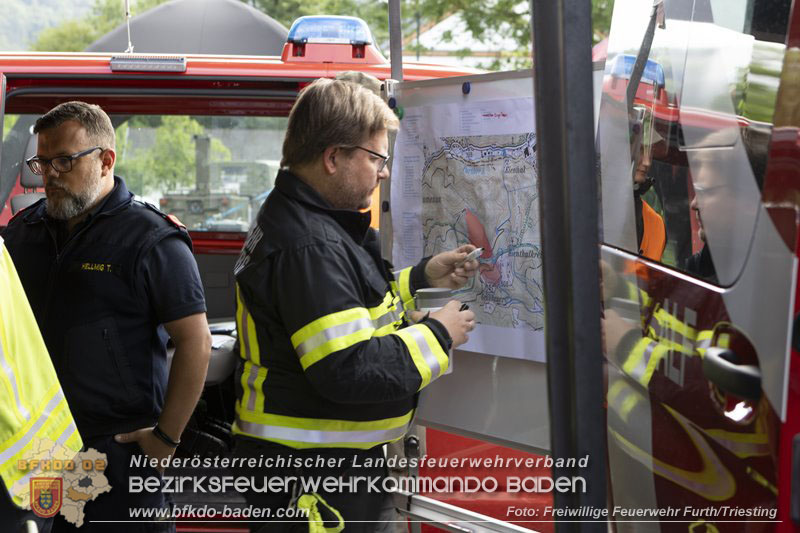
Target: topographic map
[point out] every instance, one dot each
(464, 171)
(482, 190)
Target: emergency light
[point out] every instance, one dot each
(330, 29)
(653, 71)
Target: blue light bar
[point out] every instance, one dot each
(330, 29)
(653, 71)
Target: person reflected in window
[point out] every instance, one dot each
(700, 264)
(651, 234)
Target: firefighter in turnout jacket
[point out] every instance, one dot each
(330, 366)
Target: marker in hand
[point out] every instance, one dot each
(474, 254)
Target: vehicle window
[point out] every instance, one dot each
(685, 121)
(211, 172)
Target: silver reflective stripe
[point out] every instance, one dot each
(28, 436)
(638, 372)
(319, 436)
(427, 353)
(703, 344)
(251, 383)
(245, 335)
(23, 481)
(333, 332)
(13, 380)
(385, 320)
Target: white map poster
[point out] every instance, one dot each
(466, 173)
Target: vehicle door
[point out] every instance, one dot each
(698, 275)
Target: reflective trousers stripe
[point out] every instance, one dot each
(319, 433)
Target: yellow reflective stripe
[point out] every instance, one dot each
(252, 380)
(67, 443)
(426, 352)
(11, 383)
(298, 432)
(246, 326)
(623, 399)
(644, 359)
(22, 438)
(331, 333)
(386, 317)
(703, 341)
(672, 322)
(404, 288)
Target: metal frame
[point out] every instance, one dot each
(421, 509)
(568, 200)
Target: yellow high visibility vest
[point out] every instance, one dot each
(32, 405)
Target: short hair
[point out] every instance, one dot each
(92, 117)
(333, 113)
(361, 78)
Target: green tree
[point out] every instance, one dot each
(170, 162)
(76, 34)
(506, 17)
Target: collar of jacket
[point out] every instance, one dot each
(119, 198)
(355, 223)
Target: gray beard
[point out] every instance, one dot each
(72, 205)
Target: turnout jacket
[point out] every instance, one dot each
(327, 357)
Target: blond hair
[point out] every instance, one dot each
(333, 113)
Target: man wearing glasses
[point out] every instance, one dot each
(108, 278)
(330, 366)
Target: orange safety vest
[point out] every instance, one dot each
(654, 238)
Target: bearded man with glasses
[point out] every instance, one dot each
(108, 278)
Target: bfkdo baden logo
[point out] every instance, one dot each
(46, 495)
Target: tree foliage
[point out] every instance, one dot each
(510, 18)
(75, 35)
(170, 162)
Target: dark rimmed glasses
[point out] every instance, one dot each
(63, 163)
(384, 158)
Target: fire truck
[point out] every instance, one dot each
(702, 367)
(199, 136)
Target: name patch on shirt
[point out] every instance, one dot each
(99, 267)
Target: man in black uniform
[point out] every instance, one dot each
(108, 278)
(330, 366)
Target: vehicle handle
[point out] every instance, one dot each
(720, 368)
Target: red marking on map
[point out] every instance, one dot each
(477, 237)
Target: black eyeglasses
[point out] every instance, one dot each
(385, 158)
(38, 165)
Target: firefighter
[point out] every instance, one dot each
(32, 406)
(330, 367)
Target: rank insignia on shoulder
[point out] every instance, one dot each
(175, 221)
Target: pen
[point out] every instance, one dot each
(474, 254)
